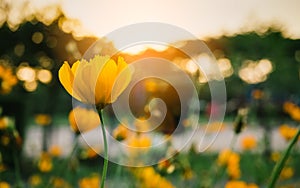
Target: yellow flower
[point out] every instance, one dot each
(45, 163)
(287, 132)
(293, 110)
(248, 142)
(90, 182)
(236, 184)
(4, 121)
(93, 82)
(138, 143)
(234, 171)
(43, 119)
(35, 180)
(223, 157)
(4, 184)
(286, 173)
(121, 132)
(8, 80)
(59, 183)
(82, 119)
(232, 161)
(151, 179)
(55, 151)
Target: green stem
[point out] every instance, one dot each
(104, 170)
(280, 164)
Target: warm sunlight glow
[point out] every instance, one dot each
(225, 67)
(44, 76)
(26, 73)
(255, 72)
(136, 49)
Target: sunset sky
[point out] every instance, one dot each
(203, 18)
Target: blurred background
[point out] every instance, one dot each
(257, 49)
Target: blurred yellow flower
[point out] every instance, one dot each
(293, 110)
(89, 152)
(7, 79)
(233, 170)
(90, 182)
(235, 184)
(35, 180)
(121, 132)
(151, 179)
(286, 173)
(43, 119)
(82, 119)
(239, 184)
(4, 184)
(55, 150)
(224, 156)
(248, 142)
(275, 156)
(93, 82)
(4, 121)
(59, 183)
(287, 132)
(45, 162)
(231, 160)
(257, 94)
(139, 141)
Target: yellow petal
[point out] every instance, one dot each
(74, 67)
(122, 80)
(105, 81)
(66, 78)
(83, 83)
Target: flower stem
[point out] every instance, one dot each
(280, 164)
(104, 170)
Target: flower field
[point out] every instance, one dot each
(134, 110)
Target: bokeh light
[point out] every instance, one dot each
(44, 76)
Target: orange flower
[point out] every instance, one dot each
(248, 142)
(287, 132)
(232, 161)
(43, 119)
(293, 110)
(45, 163)
(55, 151)
(240, 184)
(286, 173)
(4, 121)
(90, 182)
(93, 82)
(8, 80)
(4, 184)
